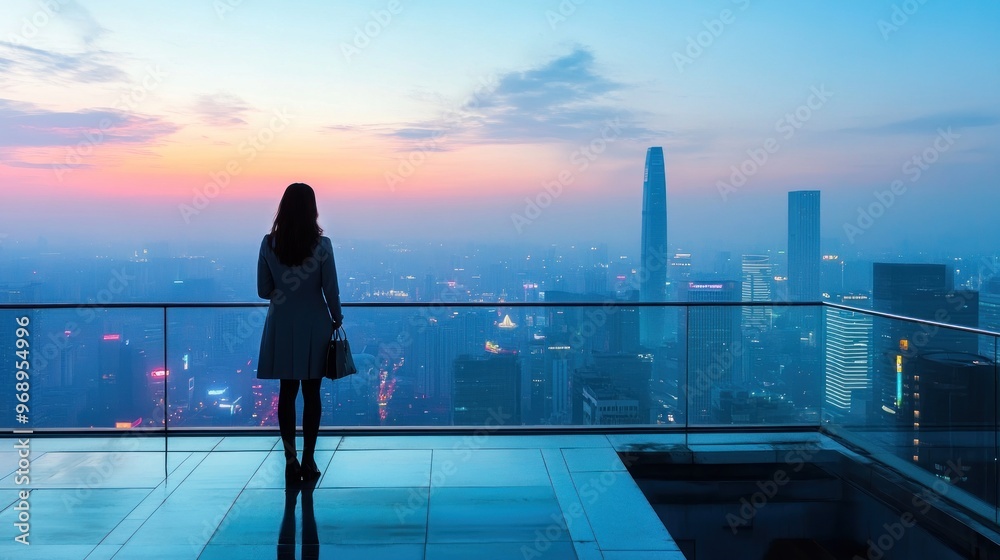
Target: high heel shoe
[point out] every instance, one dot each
(309, 470)
(293, 471)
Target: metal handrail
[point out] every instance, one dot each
(413, 304)
(510, 304)
(938, 324)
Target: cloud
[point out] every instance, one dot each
(563, 100)
(560, 83)
(29, 131)
(929, 124)
(222, 109)
(93, 66)
(88, 27)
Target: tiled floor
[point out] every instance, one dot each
(394, 497)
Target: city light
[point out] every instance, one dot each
(112, 337)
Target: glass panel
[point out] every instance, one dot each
(211, 369)
(928, 406)
(436, 366)
(86, 368)
(441, 366)
(754, 365)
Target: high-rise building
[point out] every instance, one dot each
(604, 405)
(653, 266)
(117, 393)
(919, 291)
(945, 411)
(848, 361)
(680, 267)
(434, 347)
(487, 387)
(613, 377)
(756, 288)
(831, 276)
(804, 257)
(713, 353)
(989, 315)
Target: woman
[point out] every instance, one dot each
(296, 272)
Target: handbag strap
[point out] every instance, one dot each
(340, 334)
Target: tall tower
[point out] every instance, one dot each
(653, 268)
(803, 246)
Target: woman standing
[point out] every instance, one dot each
(296, 272)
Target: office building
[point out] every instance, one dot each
(804, 257)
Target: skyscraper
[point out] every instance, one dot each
(989, 315)
(756, 287)
(848, 360)
(653, 268)
(487, 387)
(713, 349)
(920, 291)
(803, 246)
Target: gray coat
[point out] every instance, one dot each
(305, 300)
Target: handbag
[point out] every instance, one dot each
(339, 361)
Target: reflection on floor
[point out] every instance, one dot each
(399, 497)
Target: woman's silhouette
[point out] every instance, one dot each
(296, 272)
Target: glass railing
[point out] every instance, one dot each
(193, 366)
(919, 396)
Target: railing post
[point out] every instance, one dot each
(166, 401)
(687, 372)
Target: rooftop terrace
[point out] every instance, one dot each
(150, 437)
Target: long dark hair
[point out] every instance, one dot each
(295, 230)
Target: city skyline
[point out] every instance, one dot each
(574, 106)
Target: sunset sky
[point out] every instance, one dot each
(184, 120)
